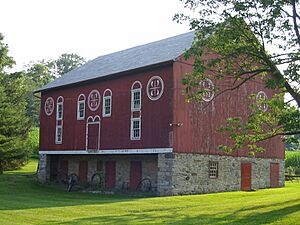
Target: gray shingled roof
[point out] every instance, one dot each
(137, 57)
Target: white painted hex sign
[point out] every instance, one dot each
(49, 106)
(208, 86)
(94, 100)
(155, 88)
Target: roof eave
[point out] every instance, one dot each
(40, 90)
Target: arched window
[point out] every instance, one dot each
(60, 108)
(107, 102)
(136, 96)
(81, 107)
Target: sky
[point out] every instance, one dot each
(45, 29)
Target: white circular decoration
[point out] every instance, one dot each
(49, 106)
(94, 100)
(208, 86)
(155, 88)
(261, 95)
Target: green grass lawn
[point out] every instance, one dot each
(24, 201)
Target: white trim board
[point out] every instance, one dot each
(108, 152)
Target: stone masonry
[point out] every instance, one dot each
(189, 173)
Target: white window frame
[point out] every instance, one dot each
(107, 97)
(213, 169)
(57, 141)
(82, 101)
(132, 130)
(133, 91)
(60, 102)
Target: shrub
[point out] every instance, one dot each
(292, 159)
(33, 141)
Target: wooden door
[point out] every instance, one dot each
(110, 174)
(135, 174)
(63, 170)
(274, 175)
(53, 167)
(93, 136)
(246, 177)
(83, 171)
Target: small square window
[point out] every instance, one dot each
(81, 110)
(135, 132)
(136, 99)
(107, 106)
(58, 134)
(213, 169)
(59, 115)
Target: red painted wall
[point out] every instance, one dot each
(198, 133)
(115, 130)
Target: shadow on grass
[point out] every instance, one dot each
(22, 191)
(144, 217)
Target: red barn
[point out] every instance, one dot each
(125, 114)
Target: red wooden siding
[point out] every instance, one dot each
(83, 171)
(135, 174)
(199, 123)
(115, 130)
(246, 176)
(110, 174)
(274, 175)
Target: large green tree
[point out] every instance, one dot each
(42, 72)
(14, 125)
(252, 39)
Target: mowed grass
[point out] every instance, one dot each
(24, 201)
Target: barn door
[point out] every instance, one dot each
(110, 174)
(53, 167)
(63, 170)
(274, 175)
(83, 171)
(135, 174)
(246, 176)
(93, 133)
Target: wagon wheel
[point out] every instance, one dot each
(97, 179)
(71, 181)
(62, 177)
(144, 185)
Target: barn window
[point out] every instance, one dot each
(60, 108)
(107, 101)
(136, 96)
(58, 134)
(213, 169)
(81, 107)
(135, 131)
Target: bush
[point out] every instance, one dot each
(33, 141)
(292, 159)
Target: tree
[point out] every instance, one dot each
(65, 63)
(42, 72)
(14, 124)
(252, 39)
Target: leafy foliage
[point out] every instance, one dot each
(14, 124)
(238, 41)
(292, 159)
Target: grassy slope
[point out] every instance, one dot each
(24, 201)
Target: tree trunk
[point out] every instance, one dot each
(1, 168)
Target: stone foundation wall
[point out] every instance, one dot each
(176, 174)
(149, 166)
(44, 169)
(189, 173)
